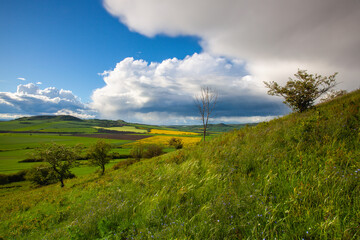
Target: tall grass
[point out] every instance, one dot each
(291, 178)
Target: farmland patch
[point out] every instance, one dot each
(115, 136)
(125, 129)
(170, 132)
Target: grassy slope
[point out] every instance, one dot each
(212, 128)
(291, 178)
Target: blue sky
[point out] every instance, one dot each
(65, 44)
(144, 61)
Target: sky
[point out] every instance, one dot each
(145, 60)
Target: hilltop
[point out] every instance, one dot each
(296, 177)
(49, 117)
(57, 124)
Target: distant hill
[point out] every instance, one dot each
(57, 124)
(50, 117)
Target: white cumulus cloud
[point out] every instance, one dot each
(29, 99)
(274, 38)
(163, 92)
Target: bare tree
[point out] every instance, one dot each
(205, 103)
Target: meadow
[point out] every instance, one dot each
(16, 147)
(23, 136)
(296, 177)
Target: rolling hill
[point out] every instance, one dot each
(295, 177)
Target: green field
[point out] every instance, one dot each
(27, 134)
(19, 146)
(50, 126)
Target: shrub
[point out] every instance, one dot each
(116, 155)
(124, 163)
(41, 175)
(44, 175)
(30, 160)
(137, 151)
(153, 150)
(177, 143)
(15, 177)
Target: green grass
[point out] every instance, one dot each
(48, 126)
(19, 146)
(296, 177)
(85, 168)
(212, 128)
(9, 161)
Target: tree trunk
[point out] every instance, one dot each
(62, 182)
(204, 133)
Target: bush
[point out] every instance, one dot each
(137, 151)
(30, 160)
(44, 175)
(41, 175)
(153, 150)
(177, 143)
(124, 163)
(116, 155)
(15, 177)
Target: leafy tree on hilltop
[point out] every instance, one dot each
(301, 93)
(98, 154)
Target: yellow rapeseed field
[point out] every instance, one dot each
(164, 140)
(170, 132)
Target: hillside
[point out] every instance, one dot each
(62, 123)
(221, 127)
(295, 177)
(50, 117)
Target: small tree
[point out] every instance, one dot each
(301, 93)
(61, 158)
(98, 154)
(177, 143)
(205, 103)
(137, 151)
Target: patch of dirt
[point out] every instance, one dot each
(114, 136)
